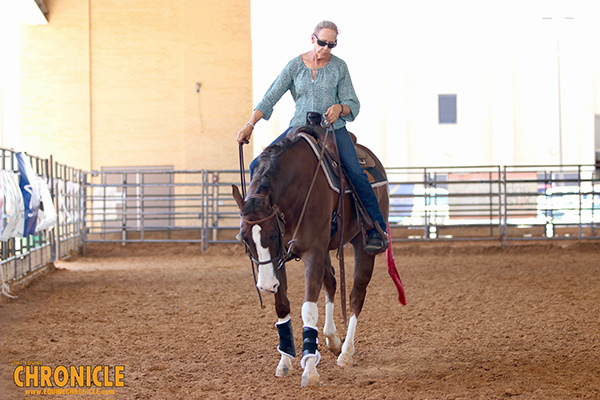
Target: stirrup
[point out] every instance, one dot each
(376, 243)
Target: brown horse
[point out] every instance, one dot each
(270, 215)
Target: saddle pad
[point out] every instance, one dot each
(376, 177)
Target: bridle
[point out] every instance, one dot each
(281, 258)
(283, 255)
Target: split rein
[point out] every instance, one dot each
(281, 258)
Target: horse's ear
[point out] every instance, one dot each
(269, 200)
(237, 196)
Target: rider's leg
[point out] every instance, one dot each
(361, 183)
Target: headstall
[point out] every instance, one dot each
(284, 253)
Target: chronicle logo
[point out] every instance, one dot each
(34, 374)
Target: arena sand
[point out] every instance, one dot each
(482, 322)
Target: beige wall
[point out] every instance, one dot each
(113, 83)
(55, 90)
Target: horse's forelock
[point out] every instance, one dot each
(252, 206)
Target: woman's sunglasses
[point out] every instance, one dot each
(322, 43)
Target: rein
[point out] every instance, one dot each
(242, 170)
(243, 182)
(312, 184)
(340, 223)
(281, 258)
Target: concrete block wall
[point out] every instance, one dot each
(113, 84)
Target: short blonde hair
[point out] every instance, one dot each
(326, 25)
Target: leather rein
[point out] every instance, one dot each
(276, 211)
(282, 258)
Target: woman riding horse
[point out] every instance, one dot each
(320, 82)
(283, 218)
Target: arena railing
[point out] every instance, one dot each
(160, 205)
(446, 203)
(222, 220)
(56, 237)
(474, 203)
(143, 205)
(500, 203)
(554, 202)
(69, 198)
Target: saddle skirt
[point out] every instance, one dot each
(329, 163)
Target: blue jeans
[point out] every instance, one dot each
(355, 173)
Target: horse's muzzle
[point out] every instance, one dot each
(270, 288)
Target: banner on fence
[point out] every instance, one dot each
(13, 208)
(47, 213)
(31, 194)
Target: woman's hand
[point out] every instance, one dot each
(244, 134)
(334, 112)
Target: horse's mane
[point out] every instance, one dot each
(267, 169)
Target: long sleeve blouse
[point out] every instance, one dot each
(332, 85)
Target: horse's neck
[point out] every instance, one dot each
(293, 182)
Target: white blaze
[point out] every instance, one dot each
(267, 281)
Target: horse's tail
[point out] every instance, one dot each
(393, 271)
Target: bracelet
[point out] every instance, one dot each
(250, 123)
(341, 105)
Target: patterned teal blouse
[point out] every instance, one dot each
(332, 85)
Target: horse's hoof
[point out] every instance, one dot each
(310, 380)
(284, 366)
(281, 372)
(334, 345)
(345, 360)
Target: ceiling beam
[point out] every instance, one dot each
(34, 12)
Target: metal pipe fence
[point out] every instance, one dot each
(69, 199)
(222, 214)
(446, 203)
(555, 202)
(23, 256)
(494, 203)
(160, 205)
(501, 203)
(156, 205)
